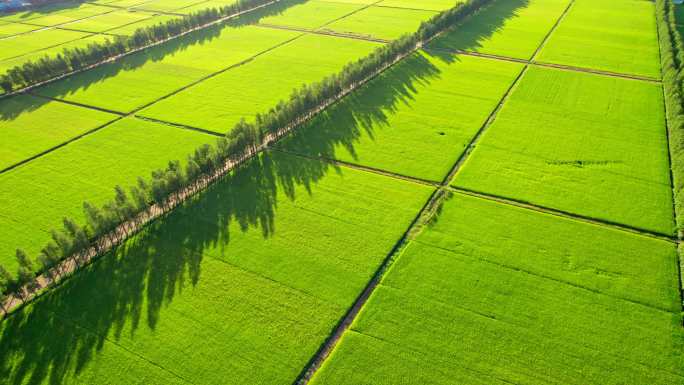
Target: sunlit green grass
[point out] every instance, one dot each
(37, 195)
(109, 21)
(30, 125)
(492, 294)
(381, 22)
(56, 13)
(587, 144)
(617, 36)
(311, 14)
(10, 29)
(415, 119)
(167, 5)
(514, 28)
(35, 41)
(219, 103)
(142, 78)
(241, 285)
(430, 5)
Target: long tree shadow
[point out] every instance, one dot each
(123, 292)
(473, 32)
(41, 10)
(10, 110)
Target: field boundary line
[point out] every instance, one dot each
(180, 125)
(564, 214)
(56, 26)
(406, 8)
(356, 166)
(136, 50)
(325, 32)
(553, 28)
(563, 67)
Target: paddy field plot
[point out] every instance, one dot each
(37, 195)
(129, 29)
(11, 29)
(36, 41)
(7, 64)
(312, 14)
(205, 5)
(217, 104)
(415, 119)
(514, 28)
(31, 125)
(495, 294)
(142, 78)
(56, 13)
(582, 143)
(617, 36)
(110, 20)
(244, 292)
(167, 5)
(381, 22)
(428, 5)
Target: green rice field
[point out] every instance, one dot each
(389, 130)
(491, 294)
(496, 207)
(587, 144)
(607, 35)
(513, 28)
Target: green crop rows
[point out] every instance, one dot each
(519, 218)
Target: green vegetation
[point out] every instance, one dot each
(271, 78)
(240, 285)
(617, 36)
(168, 5)
(36, 41)
(10, 29)
(429, 5)
(110, 21)
(66, 15)
(69, 60)
(119, 86)
(312, 14)
(587, 144)
(30, 126)
(493, 294)
(40, 193)
(381, 22)
(397, 122)
(513, 28)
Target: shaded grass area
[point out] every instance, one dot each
(28, 133)
(494, 294)
(239, 285)
(37, 195)
(59, 12)
(219, 103)
(381, 23)
(617, 36)
(582, 143)
(415, 119)
(512, 28)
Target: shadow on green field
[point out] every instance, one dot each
(46, 10)
(124, 291)
(470, 35)
(101, 73)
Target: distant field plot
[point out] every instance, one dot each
(35, 196)
(129, 29)
(167, 5)
(37, 55)
(244, 293)
(428, 5)
(491, 294)
(36, 41)
(69, 15)
(312, 14)
(415, 119)
(219, 103)
(144, 77)
(618, 36)
(381, 22)
(30, 125)
(10, 29)
(205, 5)
(109, 21)
(514, 28)
(587, 144)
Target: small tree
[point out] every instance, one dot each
(25, 273)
